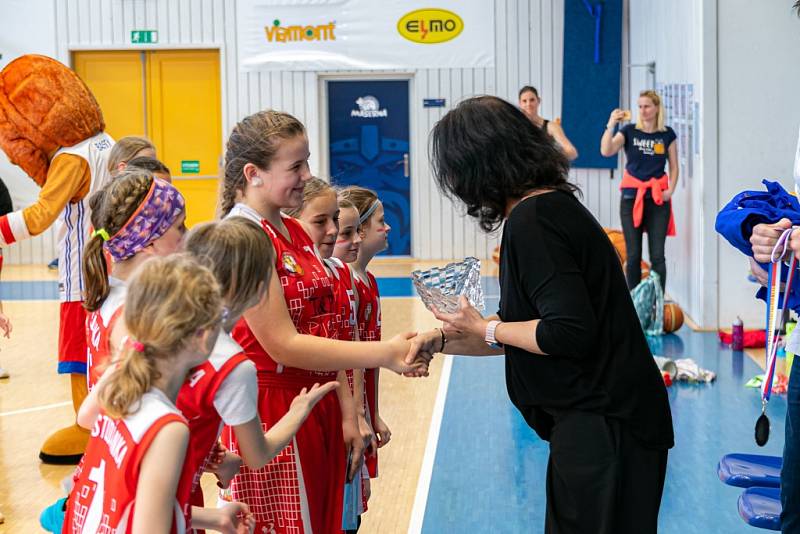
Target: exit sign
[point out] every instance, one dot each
(144, 36)
(190, 166)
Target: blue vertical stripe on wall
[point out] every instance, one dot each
(592, 30)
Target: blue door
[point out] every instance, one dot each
(368, 132)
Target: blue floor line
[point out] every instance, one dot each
(48, 290)
(489, 472)
(29, 290)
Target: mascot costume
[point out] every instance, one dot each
(52, 127)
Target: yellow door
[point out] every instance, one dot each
(174, 98)
(185, 122)
(116, 79)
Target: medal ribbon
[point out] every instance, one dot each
(775, 312)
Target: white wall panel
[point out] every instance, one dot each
(758, 123)
(528, 50)
(672, 35)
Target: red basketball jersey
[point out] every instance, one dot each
(307, 289)
(104, 494)
(369, 308)
(369, 329)
(300, 490)
(196, 403)
(99, 325)
(344, 299)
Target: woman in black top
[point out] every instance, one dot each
(529, 104)
(647, 191)
(578, 366)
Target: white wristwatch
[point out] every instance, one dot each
(489, 337)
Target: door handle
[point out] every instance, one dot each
(405, 165)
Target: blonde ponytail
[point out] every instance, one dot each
(169, 300)
(132, 378)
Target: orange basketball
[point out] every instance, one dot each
(618, 240)
(645, 269)
(673, 317)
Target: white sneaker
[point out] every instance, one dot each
(4, 373)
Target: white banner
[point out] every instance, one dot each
(314, 35)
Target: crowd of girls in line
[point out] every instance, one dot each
(248, 347)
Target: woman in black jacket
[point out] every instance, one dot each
(578, 366)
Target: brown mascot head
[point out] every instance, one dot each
(43, 106)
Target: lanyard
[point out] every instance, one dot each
(775, 312)
(775, 315)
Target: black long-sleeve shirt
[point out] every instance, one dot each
(557, 265)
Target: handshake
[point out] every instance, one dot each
(412, 352)
(415, 350)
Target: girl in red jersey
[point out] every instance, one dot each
(374, 238)
(136, 217)
(348, 243)
(128, 478)
(319, 214)
(223, 389)
(266, 167)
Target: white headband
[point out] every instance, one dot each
(369, 212)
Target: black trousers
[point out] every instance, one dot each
(655, 220)
(600, 480)
(5, 200)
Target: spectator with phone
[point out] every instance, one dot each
(646, 203)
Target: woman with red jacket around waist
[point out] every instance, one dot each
(646, 204)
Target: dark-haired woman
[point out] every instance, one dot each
(529, 104)
(578, 366)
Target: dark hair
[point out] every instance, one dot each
(530, 88)
(111, 207)
(146, 163)
(796, 7)
(361, 198)
(486, 152)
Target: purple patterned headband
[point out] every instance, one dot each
(158, 212)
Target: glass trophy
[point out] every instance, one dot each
(442, 286)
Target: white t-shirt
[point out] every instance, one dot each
(236, 400)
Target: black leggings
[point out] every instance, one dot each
(655, 222)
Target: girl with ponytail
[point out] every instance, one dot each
(135, 217)
(128, 478)
(224, 389)
(374, 233)
(290, 335)
(320, 214)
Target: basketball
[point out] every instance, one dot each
(673, 317)
(618, 240)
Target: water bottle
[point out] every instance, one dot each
(737, 342)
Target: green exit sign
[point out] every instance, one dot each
(190, 166)
(144, 36)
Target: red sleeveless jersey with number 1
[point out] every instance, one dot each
(300, 490)
(104, 494)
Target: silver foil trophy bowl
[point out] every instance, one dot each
(442, 286)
